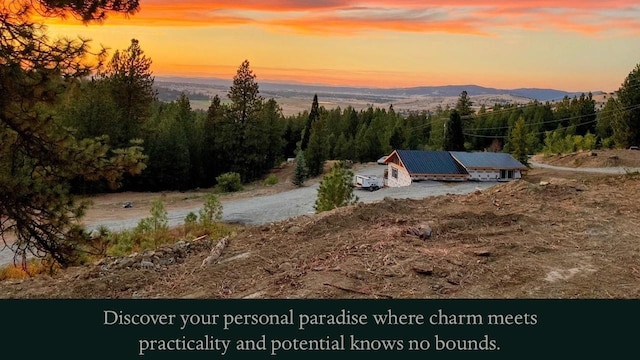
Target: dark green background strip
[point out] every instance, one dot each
(75, 329)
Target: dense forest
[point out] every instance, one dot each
(248, 134)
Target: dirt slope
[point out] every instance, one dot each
(576, 237)
(594, 159)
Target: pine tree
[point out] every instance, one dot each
(519, 142)
(627, 122)
(464, 104)
(396, 141)
(131, 82)
(300, 171)
(38, 155)
(454, 136)
(314, 115)
(336, 189)
(316, 152)
(244, 95)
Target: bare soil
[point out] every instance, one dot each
(593, 159)
(574, 237)
(108, 207)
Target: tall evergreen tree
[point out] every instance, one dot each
(185, 118)
(244, 95)
(212, 159)
(39, 156)
(464, 105)
(396, 141)
(519, 142)
(629, 121)
(131, 82)
(314, 115)
(90, 110)
(316, 152)
(454, 136)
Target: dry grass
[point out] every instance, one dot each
(32, 268)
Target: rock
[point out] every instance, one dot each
(287, 266)
(100, 262)
(125, 262)
(422, 269)
(544, 183)
(145, 264)
(294, 230)
(482, 253)
(426, 232)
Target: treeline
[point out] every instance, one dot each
(185, 148)
(167, 95)
(248, 135)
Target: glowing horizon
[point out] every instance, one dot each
(572, 45)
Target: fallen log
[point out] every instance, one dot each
(215, 254)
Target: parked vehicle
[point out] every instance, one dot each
(369, 182)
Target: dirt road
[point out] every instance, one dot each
(600, 170)
(276, 207)
(259, 210)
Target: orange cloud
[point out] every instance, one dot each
(349, 17)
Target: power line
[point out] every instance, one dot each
(560, 120)
(629, 108)
(432, 121)
(538, 133)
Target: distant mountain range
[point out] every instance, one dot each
(291, 89)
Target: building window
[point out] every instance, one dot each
(507, 174)
(394, 173)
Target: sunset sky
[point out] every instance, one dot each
(569, 45)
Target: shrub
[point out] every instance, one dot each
(229, 182)
(190, 219)
(336, 189)
(271, 180)
(32, 268)
(608, 143)
(211, 210)
(122, 243)
(158, 221)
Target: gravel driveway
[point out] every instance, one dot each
(272, 208)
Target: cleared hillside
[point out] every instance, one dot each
(552, 235)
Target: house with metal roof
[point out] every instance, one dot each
(406, 166)
(489, 166)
